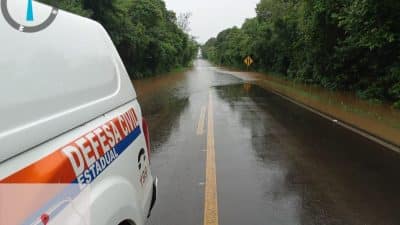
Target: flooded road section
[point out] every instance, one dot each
(380, 120)
(275, 162)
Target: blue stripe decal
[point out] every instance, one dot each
(62, 200)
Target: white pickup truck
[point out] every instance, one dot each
(75, 148)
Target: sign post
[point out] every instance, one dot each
(248, 61)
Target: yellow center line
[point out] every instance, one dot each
(200, 125)
(211, 198)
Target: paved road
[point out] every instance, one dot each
(275, 163)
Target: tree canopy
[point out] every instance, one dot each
(145, 33)
(345, 44)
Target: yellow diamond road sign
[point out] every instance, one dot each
(248, 61)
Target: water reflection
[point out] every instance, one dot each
(379, 119)
(172, 105)
(276, 162)
(257, 166)
(313, 172)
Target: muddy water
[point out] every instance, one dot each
(380, 120)
(147, 87)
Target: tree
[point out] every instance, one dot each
(349, 45)
(145, 33)
(183, 21)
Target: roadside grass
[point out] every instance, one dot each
(332, 98)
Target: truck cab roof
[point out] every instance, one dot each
(55, 79)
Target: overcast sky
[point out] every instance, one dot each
(212, 16)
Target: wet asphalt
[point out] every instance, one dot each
(276, 163)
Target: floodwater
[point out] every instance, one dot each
(379, 119)
(276, 162)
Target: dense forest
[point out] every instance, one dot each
(351, 45)
(148, 37)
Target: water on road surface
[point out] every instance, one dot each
(275, 163)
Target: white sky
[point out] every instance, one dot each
(209, 17)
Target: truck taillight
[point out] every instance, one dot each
(146, 136)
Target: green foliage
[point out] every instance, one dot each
(395, 93)
(70, 6)
(345, 44)
(145, 33)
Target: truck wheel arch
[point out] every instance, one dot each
(115, 189)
